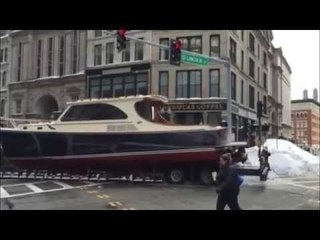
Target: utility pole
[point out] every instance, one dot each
(225, 61)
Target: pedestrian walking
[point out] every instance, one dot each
(228, 182)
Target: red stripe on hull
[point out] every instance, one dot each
(126, 161)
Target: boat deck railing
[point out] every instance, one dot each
(15, 122)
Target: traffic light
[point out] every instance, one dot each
(121, 39)
(259, 109)
(175, 52)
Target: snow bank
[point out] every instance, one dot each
(286, 159)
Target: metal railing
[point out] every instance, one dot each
(15, 122)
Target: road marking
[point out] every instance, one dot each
(112, 204)
(118, 203)
(106, 196)
(303, 186)
(99, 196)
(37, 190)
(94, 191)
(314, 201)
(34, 188)
(21, 184)
(132, 209)
(307, 181)
(4, 193)
(64, 185)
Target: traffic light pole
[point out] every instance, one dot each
(226, 63)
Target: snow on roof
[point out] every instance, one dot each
(287, 159)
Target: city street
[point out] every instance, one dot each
(295, 193)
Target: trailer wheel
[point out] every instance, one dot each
(176, 176)
(206, 176)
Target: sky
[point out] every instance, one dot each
(301, 49)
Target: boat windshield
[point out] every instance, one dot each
(150, 110)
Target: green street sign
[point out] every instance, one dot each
(193, 59)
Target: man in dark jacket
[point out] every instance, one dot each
(266, 154)
(228, 188)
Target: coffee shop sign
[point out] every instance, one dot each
(198, 107)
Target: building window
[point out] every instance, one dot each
(97, 33)
(242, 91)
(258, 97)
(265, 81)
(39, 59)
(18, 105)
(126, 52)
(214, 83)
(97, 54)
(215, 45)
(258, 75)
(4, 79)
(109, 52)
(242, 35)
(242, 60)
(251, 68)
(6, 54)
(251, 42)
(75, 52)
(305, 115)
(129, 87)
(164, 83)
(138, 54)
(61, 55)
(106, 88)
(264, 59)
(192, 44)
(19, 62)
(94, 88)
(50, 56)
(164, 53)
(2, 107)
(251, 97)
(188, 84)
(117, 86)
(258, 51)
(265, 105)
(142, 84)
(233, 51)
(233, 86)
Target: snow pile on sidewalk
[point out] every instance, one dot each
(286, 159)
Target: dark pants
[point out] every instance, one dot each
(230, 199)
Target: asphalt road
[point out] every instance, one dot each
(300, 193)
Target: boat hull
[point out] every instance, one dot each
(103, 151)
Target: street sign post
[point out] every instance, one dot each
(187, 58)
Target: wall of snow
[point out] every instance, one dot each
(286, 159)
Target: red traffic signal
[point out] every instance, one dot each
(121, 39)
(121, 32)
(175, 52)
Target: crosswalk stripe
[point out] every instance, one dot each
(34, 188)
